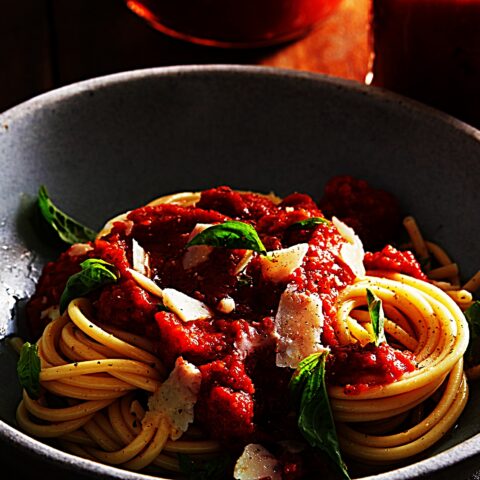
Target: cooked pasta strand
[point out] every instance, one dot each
(99, 369)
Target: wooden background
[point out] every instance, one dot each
(50, 43)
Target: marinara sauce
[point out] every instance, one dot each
(244, 395)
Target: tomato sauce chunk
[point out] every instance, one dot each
(358, 369)
(374, 214)
(391, 259)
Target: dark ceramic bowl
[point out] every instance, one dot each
(106, 145)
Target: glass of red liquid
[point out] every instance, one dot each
(233, 23)
(429, 50)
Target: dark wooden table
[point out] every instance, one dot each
(49, 43)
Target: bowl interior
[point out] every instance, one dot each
(107, 145)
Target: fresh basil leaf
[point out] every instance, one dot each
(377, 317)
(68, 229)
(304, 371)
(94, 274)
(309, 223)
(231, 234)
(216, 468)
(472, 314)
(28, 369)
(315, 420)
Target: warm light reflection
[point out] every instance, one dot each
(233, 23)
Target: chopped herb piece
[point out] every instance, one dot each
(28, 369)
(377, 317)
(309, 223)
(231, 234)
(472, 314)
(94, 274)
(315, 421)
(68, 229)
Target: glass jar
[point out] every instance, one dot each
(233, 23)
(429, 50)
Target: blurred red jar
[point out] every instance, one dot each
(233, 23)
(429, 50)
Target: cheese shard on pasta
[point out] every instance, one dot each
(352, 252)
(196, 254)
(79, 249)
(176, 398)
(226, 305)
(140, 259)
(278, 265)
(243, 263)
(188, 309)
(257, 463)
(298, 327)
(247, 340)
(185, 307)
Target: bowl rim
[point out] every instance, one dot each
(378, 93)
(463, 451)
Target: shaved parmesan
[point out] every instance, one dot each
(187, 308)
(196, 254)
(226, 305)
(352, 255)
(256, 463)
(78, 249)
(176, 397)
(278, 265)
(243, 263)
(298, 327)
(352, 252)
(344, 230)
(140, 259)
(247, 341)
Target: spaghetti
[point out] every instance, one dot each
(440, 337)
(98, 367)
